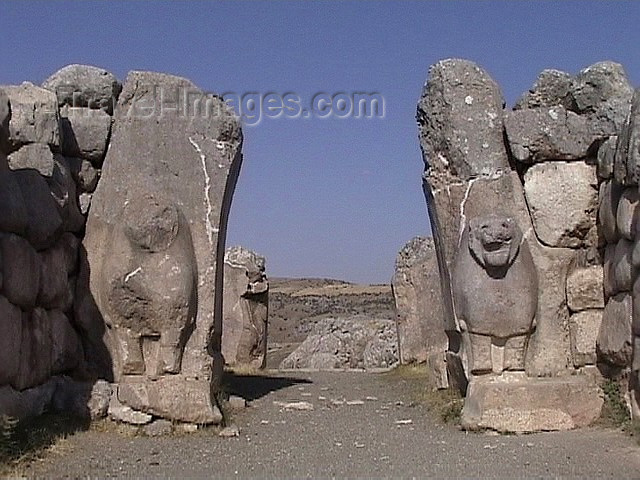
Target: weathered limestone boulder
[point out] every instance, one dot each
(547, 133)
(626, 217)
(85, 133)
(552, 88)
(21, 270)
(609, 197)
(85, 86)
(44, 223)
(420, 316)
(11, 328)
(585, 288)
(150, 285)
(84, 174)
(606, 154)
(614, 343)
(13, 210)
(516, 403)
(63, 191)
(246, 306)
(602, 93)
(35, 350)
(623, 271)
(584, 327)
(66, 349)
(166, 397)
(31, 402)
(355, 342)
(34, 116)
(563, 199)
(37, 156)
(626, 163)
(56, 266)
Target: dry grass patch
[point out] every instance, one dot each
(446, 404)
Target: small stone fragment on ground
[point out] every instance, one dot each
(295, 405)
(230, 431)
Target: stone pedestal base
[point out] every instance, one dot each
(171, 397)
(513, 402)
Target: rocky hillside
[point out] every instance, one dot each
(297, 304)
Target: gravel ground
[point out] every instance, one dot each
(361, 425)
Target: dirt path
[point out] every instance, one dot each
(363, 425)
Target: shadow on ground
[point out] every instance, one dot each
(25, 441)
(251, 387)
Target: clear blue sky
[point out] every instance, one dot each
(322, 197)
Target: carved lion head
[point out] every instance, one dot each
(150, 223)
(494, 240)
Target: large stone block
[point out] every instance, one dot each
(166, 396)
(63, 190)
(614, 343)
(551, 133)
(563, 199)
(626, 166)
(13, 211)
(84, 173)
(84, 86)
(44, 223)
(419, 307)
(460, 121)
(29, 403)
(35, 350)
(85, 133)
(627, 215)
(246, 304)
(622, 267)
(66, 349)
(585, 288)
(514, 403)
(584, 327)
(155, 235)
(552, 88)
(54, 279)
(21, 271)
(11, 328)
(37, 156)
(606, 154)
(609, 279)
(602, 93)
(609, 198)
(34, 115)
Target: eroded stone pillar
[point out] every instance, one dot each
(150, 283)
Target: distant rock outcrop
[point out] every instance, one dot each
(353, 342)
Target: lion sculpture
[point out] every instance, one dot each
(495, 289)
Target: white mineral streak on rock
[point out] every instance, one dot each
(207, 188)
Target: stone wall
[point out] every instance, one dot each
(114, 202)
(513, 202)
(617, 341)
(52, 150)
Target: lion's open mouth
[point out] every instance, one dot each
(496, 254)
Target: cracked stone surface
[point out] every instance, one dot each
(154, 234)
